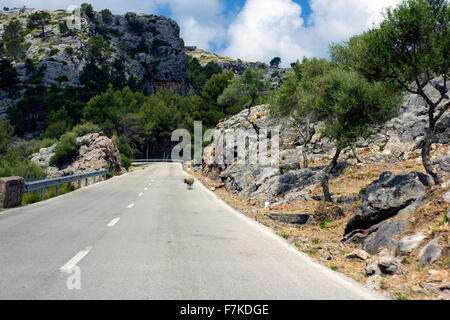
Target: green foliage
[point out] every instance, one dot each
(196, 75)
(209, 111)
(85, 128)
(21, 167)
(38, 19)
(6, 135)
(98, 49)
(106, 16)
(109, 109)
(8, 77)
(64, 29)
(40, 106)
(126, 162)
(69, 51)
(13, 30)
(350, 105)
(29, 66)
(53, 52)
(25, 149)
(135, 24)
(295, 98)
(65, 150)
(88, 10)
(413, 40)
(35, 196)
(244, 92)
(13, 39)
(275, 62)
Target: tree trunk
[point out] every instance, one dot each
(426, 157)
(428, 141)
(305, 156)
(356, 154)
(326, 176)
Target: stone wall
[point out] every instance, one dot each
(11, 192)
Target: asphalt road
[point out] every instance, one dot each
(145, 236)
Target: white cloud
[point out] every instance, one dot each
(201, 21)
(268, 28)
(116, 6)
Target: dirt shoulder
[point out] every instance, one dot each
(323, 242)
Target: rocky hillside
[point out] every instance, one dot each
(271, 75)
(388, 225)
(397, 140)
(147, 47)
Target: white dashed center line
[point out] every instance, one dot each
(73, 262)
(113, 222)
(130, 206)
(141, 194)
(145, 189)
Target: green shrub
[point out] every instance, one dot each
(85, 128)
(126, 162)
(35, 196)
(27, 148)
(62, 78)
(31, 197)
(53, 52)
(16, 166)
(65, 150)
(56, 129)
(69, 50)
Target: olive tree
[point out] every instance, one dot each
(350, 106)
(412, 44)
(295, 99)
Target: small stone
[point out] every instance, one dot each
(446, 197)
(374, 282)
(406, 245)
(430, 253)
(358, 254)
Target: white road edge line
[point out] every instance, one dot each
(113, 222)
(73, 262)
(130, 206)
(349, 283)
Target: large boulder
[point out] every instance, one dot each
(95, 152)
(385, 197)
(381, 236)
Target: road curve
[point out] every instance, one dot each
(145, 236)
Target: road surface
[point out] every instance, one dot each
(145, 236)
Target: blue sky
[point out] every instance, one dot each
(253, 30)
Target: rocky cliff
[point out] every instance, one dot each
(149, 48)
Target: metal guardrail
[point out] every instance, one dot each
(155, 160)
(47, 183)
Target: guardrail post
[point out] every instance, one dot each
(79, 184)
(86, 182)
(100, 178)
(95, 178)
(43, 193)
(57, 190)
